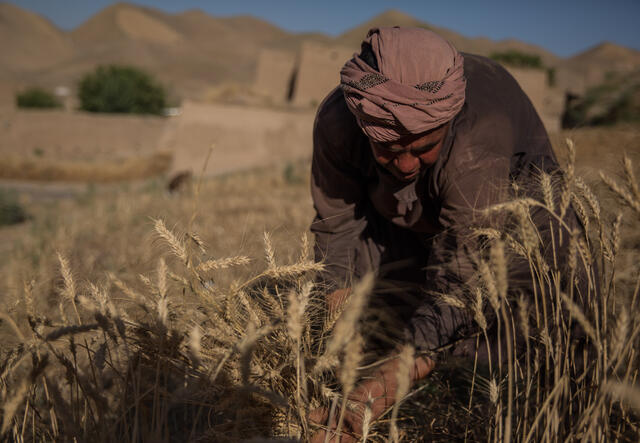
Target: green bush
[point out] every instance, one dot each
(518, 59)
(617, 100)
(551, 76)
(121, 89)
(11, 212)
(37, 98)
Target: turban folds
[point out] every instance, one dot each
(420, 84)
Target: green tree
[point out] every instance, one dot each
(518, 59)
(36, 98)
(121, 89)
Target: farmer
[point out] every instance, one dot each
(415, 142)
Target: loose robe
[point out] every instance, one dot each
(367, 220)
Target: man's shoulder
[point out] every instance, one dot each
(480, 67)
(334, 120)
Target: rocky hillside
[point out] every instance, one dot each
(192, 51)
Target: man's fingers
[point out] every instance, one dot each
(319, 416)
(321, 436)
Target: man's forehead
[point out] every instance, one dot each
(426, 137)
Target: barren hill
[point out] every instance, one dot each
(149, 38)
(616, 56)
(189, 51)
(29, 41)
(479, 45)
(192, 51)
(591, 67)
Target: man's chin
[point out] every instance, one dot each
(406, 177)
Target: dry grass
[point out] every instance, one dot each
(28, 168)
(207, 330)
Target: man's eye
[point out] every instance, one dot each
(423, 149)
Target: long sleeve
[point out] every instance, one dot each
(464, 198)
(339, 197)
(451, 264)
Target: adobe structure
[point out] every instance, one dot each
(303, 79)
(318, 72)
(548, 101)
(299, 79)
(274, 76)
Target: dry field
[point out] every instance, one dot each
(135, 315)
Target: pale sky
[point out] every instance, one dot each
(565, 27)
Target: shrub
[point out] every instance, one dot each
(121, 89)
(11, 212)
(616, 100)
(37, 98)
(518, 59)
(551, 76)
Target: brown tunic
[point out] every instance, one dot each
(365, 218)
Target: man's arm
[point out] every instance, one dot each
(339, 194)
(452, 264)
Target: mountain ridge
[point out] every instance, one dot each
(193, 50)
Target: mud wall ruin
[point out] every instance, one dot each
(548, 101)
(275, 73)
(318, 72)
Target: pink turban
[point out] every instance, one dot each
(420, 84)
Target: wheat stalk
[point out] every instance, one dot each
(175, 244)
(623, 392)
(577, 313)
(631, 178)
(195, 345)
(269, 252)
(403, 379)
(223, 263)
(625, 195)
(346, 325)
(11, 405)
(69, 291)
(348, 373)
(547, 191)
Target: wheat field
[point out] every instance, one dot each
(135, 315)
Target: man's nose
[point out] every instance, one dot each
(406, 162)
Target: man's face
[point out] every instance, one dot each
(410, 155)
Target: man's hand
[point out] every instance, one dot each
(378, 391)
(336, 299)
(351, 420)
